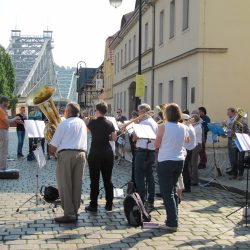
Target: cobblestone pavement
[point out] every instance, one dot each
(203, 221)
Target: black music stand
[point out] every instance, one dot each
(242, 142)
(35, 129)
(217, 131)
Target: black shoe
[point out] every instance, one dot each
(89, 208)
(108, 207)
(116, 157)
(66, 219)
(230, 172)
(194, 184)
(20, 155)
(149, 206)
(201, 166)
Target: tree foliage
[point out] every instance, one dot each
(7, 77)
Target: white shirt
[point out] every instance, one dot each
(70, 134)
(198, 133)
(172, 144)
(192, 138)
(143, 143)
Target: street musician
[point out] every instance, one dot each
(144, 159)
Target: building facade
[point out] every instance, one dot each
(194, 53)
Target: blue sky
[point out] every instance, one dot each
(80, 27)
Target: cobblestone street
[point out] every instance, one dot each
(203, 216)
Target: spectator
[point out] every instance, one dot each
(206, 120)
(21, 132)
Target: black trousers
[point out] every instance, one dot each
(101, 161)
(186, 174)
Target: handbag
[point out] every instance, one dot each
(50, 194)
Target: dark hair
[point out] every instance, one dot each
(4, 99)
(173, 112)
(203, 109)
(119, 110)
(186, 111)
(74, 109)
(102, 107)
(232, 110)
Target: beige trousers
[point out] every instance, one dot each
(69, 175)
(4, 142)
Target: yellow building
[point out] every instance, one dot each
(194, 52)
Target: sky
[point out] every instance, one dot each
(80, 27)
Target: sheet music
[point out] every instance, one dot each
(130, 127)
(113, 120)
(143, 131)
(40, 158)
(34, 129)
(243, 140)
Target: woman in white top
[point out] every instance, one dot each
(196, 122)
(170, 141)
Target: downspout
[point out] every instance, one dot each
(203, 54)
(153, 57)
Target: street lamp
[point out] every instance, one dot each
(77, 75)
(117, 3)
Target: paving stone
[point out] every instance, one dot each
(202, 216)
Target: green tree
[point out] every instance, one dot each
(7, 77)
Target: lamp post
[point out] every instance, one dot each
(77, 75)
(117, 3)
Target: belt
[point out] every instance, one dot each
(144, 150)
(69, 149)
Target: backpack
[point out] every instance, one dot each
(135, 211)
(50, 194)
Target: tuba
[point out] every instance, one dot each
(238, 123)
(161, 114)
(41, 97)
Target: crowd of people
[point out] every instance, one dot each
(179, 143)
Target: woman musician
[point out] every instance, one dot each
(101, 157)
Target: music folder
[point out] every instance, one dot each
(34, 128)
(242, 142)
(113, 120)
(144, 131)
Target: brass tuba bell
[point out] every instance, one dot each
(41, 97)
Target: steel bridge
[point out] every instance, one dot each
(33, 62)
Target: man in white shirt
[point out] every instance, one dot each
(70, 142)
(189, 147)
(144, 160)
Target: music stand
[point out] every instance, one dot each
(242, 141)
(35, 129)
(216, 130)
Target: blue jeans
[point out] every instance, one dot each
(143, 168)
(20, 137)
(168, 174)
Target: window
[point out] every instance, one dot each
(118, 62)
(115, 65)
(134, 46)
(172, 19)
(117, 101)
(129, 50)
(171, 91)
(146, 94)
(160, 93)
(124, 101)
(125, 54)
(184, 88)
(121, 58)
(161, 28)
(121, 101)
(193, 95)
(114, 102)
(185, 20)
(146, 37)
